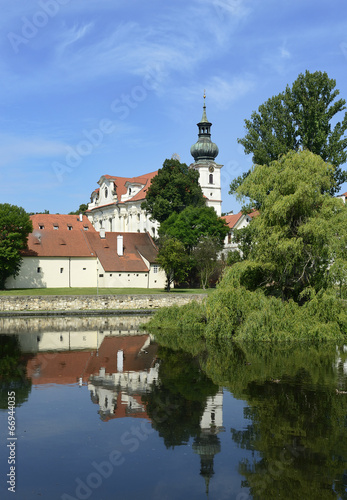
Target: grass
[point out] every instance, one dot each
(100, 291)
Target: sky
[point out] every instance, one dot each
(94, 87)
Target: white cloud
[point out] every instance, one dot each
(284, 53)
(235, 8)
(74, 34)
(221, 91)
(14, 148)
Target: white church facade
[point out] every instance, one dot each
(116, 204)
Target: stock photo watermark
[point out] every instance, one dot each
(32, 25)
(131, 439)
(92, 139)
(11, 441)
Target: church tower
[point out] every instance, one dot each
(204, 152)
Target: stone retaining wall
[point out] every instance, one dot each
(10, 304)
(119, 324)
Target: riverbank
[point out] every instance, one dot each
(91, 305)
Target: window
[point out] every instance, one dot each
(210, 179)
(55, 226)
(155, 268)
(61, 270)
(106, 192)
(69, 228)
(39, 269)
(101, 275)
(84, 269)
(41, 226)
(129, 190)
(85, 228)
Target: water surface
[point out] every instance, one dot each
(106, 411)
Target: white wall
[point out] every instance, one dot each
(130, 218)
(131, 279)
(55, 272)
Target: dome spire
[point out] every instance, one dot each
(204, 149)
(204, 117)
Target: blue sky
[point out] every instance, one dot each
(116, 87)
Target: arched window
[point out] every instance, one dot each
(106, 192)
(211, 179)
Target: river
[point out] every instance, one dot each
(104, 410)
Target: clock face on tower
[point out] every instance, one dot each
(211, 169)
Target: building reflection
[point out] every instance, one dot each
(207, 443)
(120, 370)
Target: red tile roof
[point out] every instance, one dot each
(121, 188)
(232, 219)
(254, 213)
(45, 241)
(134, 244)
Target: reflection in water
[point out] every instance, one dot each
(297, 408)
(294, 444)
(12, 371)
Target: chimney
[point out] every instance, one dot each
(120, 245)
(81, 217)
(102, 233)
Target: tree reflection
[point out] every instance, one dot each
(297, 410)
(176, 406)
(12, 371)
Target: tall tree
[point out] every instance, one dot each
(300, 118)
(15, 226)
(174, 188)
(206, 257)
(173, 259)
(300, 230)
(190, 225)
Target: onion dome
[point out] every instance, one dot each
(204, 148)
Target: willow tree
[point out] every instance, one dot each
(301, 229)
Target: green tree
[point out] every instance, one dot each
(43, 212)
(206, 257)
(299, 118)
(193, 223)
(15, 226)
(81, 210)
(300, 230)
(173, 259)
(174, 188)
(233, 257)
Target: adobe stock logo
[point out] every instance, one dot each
(131, 441)
(31, 26)
(121, 107)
